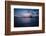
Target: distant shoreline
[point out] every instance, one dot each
(27, 17)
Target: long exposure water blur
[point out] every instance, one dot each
(26, 22)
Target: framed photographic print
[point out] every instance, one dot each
(24, 17)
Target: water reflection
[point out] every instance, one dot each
(26, 22)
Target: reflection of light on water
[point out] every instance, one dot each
(25, 20)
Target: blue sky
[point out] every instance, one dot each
(20, 12)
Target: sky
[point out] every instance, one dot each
(25, 12)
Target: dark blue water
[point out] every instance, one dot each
(26, 22)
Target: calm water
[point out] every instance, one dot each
(26, 22)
